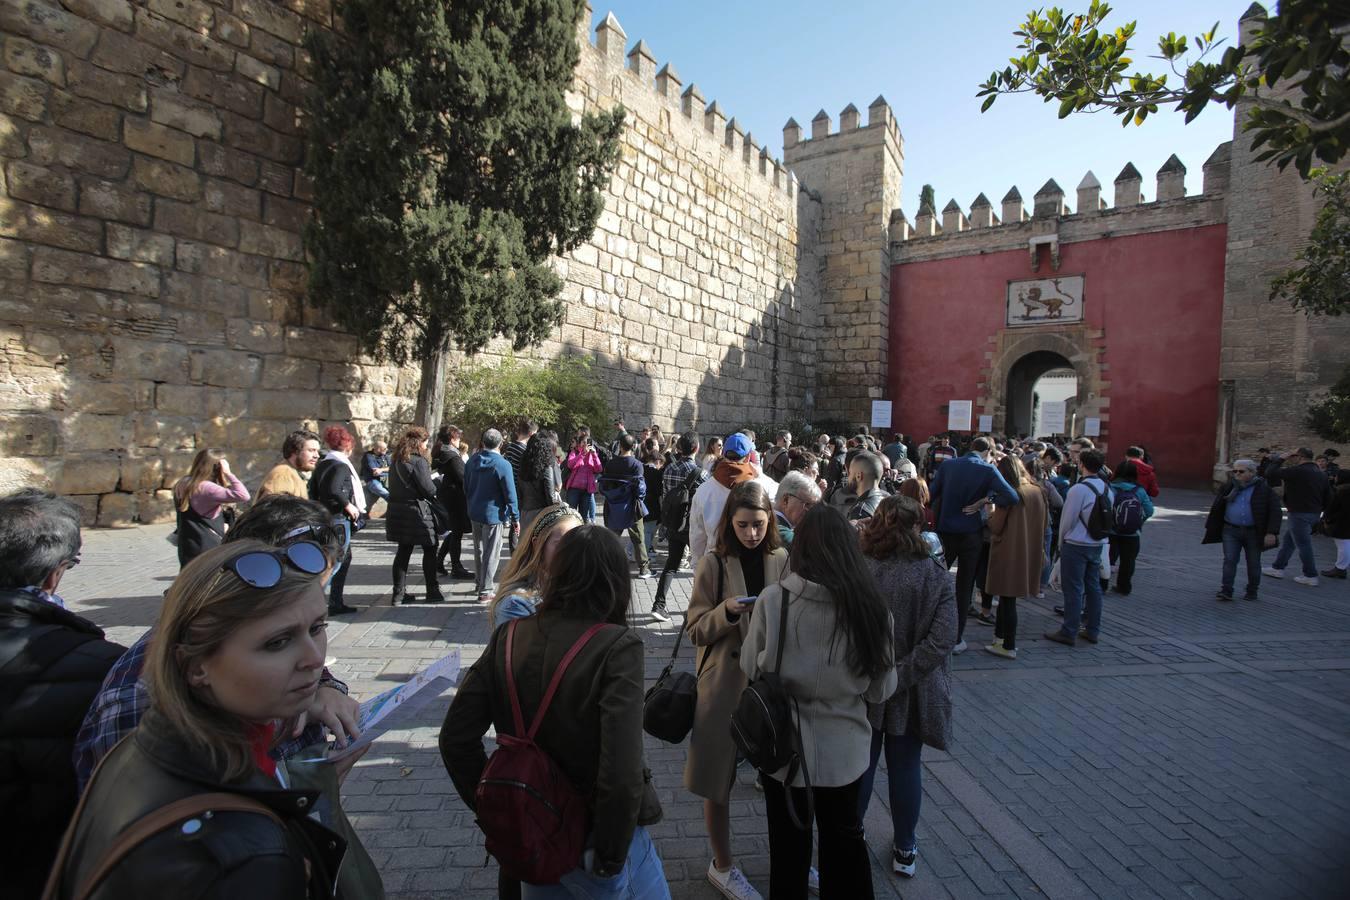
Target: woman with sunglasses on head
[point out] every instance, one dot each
(593, 727)
(747, 556)
(200, 497)
(526, 576)
(836, 657)
(922, 600)
(409, 521)
(238, 655)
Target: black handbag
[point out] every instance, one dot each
(763, 729)
(668, 707)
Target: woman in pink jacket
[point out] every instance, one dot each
(583, 464)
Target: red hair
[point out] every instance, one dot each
(338, 438)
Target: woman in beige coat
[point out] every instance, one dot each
(747, 557)
(1016, 553)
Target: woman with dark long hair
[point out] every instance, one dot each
(922, 600)
(447, 460)
(539, 484)
(746, 558)
(593, 728)
(199, 498)
(410, 522)
(836, 657)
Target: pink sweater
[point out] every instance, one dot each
(209, 496)
(582, 467)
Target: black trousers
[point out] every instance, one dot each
(339, 581)
(964, 549)
(452, 545)
(1124, 550)
(675, 546)
(845, 869)
(1005, 622)
(401, 559)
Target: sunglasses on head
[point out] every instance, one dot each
(263, 568)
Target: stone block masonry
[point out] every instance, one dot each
(152, 273)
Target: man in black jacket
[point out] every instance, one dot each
(1306, 494)
(51, 665)
(1246, 518)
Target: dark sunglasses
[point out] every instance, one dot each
(262, 568)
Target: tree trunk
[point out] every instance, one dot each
(431, 390)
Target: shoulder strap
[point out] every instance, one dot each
(782, 632)
(558, 673)
(140, 831)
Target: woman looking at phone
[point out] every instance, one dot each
(747, 557)
(200, 497)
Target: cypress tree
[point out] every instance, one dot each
(447, 171)
(927, 204)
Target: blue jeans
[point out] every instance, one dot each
(904, 776)
(583, 501)
(641, 878)
(1080, 574)
(377, 488)
(1239, 539)
(1299, 534)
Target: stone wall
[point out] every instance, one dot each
(857, 171)
(1274, 360)
(152, 295)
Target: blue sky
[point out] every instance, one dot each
(765, 61)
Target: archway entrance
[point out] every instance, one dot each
(1038, 377)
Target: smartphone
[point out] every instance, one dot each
(746, 601)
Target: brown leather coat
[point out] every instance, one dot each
(593, 729)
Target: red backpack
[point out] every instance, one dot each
(533, 817)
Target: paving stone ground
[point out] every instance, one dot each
(1201, 750)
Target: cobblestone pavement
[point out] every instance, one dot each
(1200, 750)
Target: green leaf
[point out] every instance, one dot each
(1066, 106)
(988, 102)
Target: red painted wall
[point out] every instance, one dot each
(1158, 298)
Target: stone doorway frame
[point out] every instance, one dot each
(1082, 345)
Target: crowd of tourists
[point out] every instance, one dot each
(823, 609)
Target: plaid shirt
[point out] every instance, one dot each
(124, 698)
(673, 475)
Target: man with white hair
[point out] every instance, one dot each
(1245, 516)
(53, 663)
(797, 493)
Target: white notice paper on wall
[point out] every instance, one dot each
(958, 415)
(1052, 417)
(881, 414)
(1092, 427)
(986, 424)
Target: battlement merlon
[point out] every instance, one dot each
(640, 64)
(1049, 204)
(881, 129)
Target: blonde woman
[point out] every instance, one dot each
(238, 655)
(200, 496)
(522, 584)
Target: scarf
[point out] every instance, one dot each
(260, 739)
(358, 491)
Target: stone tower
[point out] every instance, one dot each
(857, 173)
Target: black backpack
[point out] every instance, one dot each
(763, 728)
(675, 503)
(1101, 517)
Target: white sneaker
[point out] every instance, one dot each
(1272, 572)
(959, 648)
(813, 881)
(999, 650)
(732, 883)
(659, 612)
(1303, 579)
(904, 862)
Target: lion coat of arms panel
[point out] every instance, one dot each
(1045, 301)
